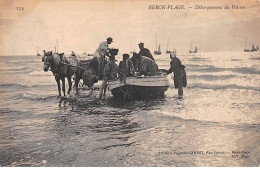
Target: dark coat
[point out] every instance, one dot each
(126, 68)
(145, 52)
(179, 73)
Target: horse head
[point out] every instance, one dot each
(89, 77)
(136, 60)
(47, 59)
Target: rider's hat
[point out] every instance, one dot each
(110, 39)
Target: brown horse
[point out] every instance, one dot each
(60, 71)
(89, 74)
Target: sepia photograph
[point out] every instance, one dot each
(129, 83)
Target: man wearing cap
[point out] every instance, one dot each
(144, 51)
(125, 68)
(177, 68)
(103, 48)
(110, 73)
(100, 54)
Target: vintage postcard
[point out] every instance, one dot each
(133, 83)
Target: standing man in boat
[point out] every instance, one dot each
(101, 53)
(110, 72)
(125, 68)
(177, 68)
(144, 51)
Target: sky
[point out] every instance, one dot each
(79, 25)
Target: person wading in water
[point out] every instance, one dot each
(110, 72)
(177, 68)
(125, 68)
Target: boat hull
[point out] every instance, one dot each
(130, 92)
(139, 87)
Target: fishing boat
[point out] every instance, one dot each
(132, 51)
(168, 51)
(84, 53)
(139, 87)
(246, 49)
(157, 51)
(38, 54)
(253, 48)
(195, 51)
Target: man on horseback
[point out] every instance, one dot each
(100, 54)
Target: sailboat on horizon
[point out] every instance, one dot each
(168, 51)
(56, 47)
(132, 51)
(38, 54)
(157, 51)
(253, 48)
(195, 51)
(246, 49)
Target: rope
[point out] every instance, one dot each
(72, 66)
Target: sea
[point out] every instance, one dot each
(215, 123)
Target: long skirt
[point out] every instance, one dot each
(180, 79)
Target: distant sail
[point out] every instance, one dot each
(157, 52)
(38, 54)
(195, 51)
(168, 51)
(253, 48)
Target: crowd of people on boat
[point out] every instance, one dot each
(141, 63)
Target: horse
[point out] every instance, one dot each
(144, 65)
(90, 74)
(55, 62)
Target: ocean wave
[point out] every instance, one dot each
(208, 69)
(235, 59)
(40, 73)
(199, 59)
(19, 85)
(242, 70)
(18, 68)
(211, 77)
(200, 66)
(246, 70)
(15, 85)
(6, 110)
(212, 118)
(255, 58)
(39, 97)
(217, 87)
